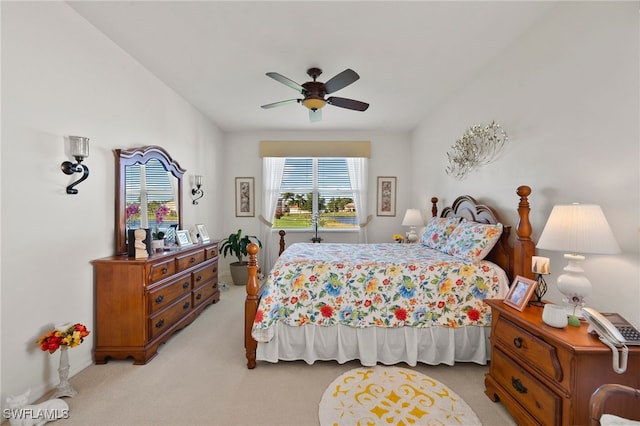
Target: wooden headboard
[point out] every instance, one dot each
(516, 259)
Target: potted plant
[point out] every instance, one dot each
(236, 244)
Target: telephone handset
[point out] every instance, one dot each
(614, 331)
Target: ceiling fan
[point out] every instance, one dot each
(314, 92)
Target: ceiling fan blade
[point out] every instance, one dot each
(341, 80)
(286, 81)
(277, 104)
(315, 115)
(347, 103)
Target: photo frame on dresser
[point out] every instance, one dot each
(183, 239)
(202, 231)
(520, 292)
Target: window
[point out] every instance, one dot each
(316, 188)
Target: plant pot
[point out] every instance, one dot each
(239, 272)
(157, 245)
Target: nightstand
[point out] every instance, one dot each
(545, 375)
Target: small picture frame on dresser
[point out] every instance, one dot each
(202, 231)
(520, 292)
(183, 238)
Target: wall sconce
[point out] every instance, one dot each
(79, 148)
(197, 192)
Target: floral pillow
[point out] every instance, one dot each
(472, 241)
(437, 232)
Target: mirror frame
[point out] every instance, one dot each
(128, 157)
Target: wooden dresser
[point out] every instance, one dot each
(141, 303)
(545, 375)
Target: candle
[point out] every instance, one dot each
(540, 265)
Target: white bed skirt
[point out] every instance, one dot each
(341, 343)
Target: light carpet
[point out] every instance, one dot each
(391, 396)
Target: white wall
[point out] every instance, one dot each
(242, 152)
(567, 94)
(61, 77)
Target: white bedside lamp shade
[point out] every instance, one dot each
(575, 229)
(412, 218)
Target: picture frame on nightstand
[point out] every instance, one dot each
(520, 292)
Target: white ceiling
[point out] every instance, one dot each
(409, 55)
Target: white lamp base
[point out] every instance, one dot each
(574, 285)
(412, 237)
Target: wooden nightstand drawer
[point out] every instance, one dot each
(537, 399)
(529, 349)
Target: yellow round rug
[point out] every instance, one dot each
(391, 396)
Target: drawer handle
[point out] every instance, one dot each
(186, 305)
(159, 299)
(185, 284)
(164, 270)
(517, 342)
(199, 296)
(193, 259)
(517, 385)
(160, 323)
(215, 269)
(199, 277)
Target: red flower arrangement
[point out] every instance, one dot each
(70, 335)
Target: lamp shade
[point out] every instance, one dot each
(412, 217)
(578, 228)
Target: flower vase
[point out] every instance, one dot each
(64, 388)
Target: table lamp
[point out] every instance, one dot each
(575, 229)
(540, 267)
(412, 218)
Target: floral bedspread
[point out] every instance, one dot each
(383, 285)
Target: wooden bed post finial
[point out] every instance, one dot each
(523, 248)
(251, 305)
(434, 206)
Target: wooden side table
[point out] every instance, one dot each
(545, 375)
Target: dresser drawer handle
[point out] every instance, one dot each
(160, 323)
(160, 299)
(215, 269)
(517, 385)
(199, 278)
(186, 305)
(193, 259)
(517, 342)
(186, 284)
(164, 270)
(198, 296)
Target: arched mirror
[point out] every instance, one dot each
(148, 193)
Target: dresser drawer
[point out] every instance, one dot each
(163, 296)
(211, 252)
(187, 261)
(203, 293)
(165, 319)
(531, 350)
(160, 271)
(534, 396)
(204, 274)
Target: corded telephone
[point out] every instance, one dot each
(614, 331)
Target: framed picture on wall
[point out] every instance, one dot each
(245, 198)
(386, 199)
(520, 292)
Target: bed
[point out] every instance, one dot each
(389, 303)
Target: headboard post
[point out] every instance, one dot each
(523, 248)
(434, 206)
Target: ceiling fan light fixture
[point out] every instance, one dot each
(314, 103)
